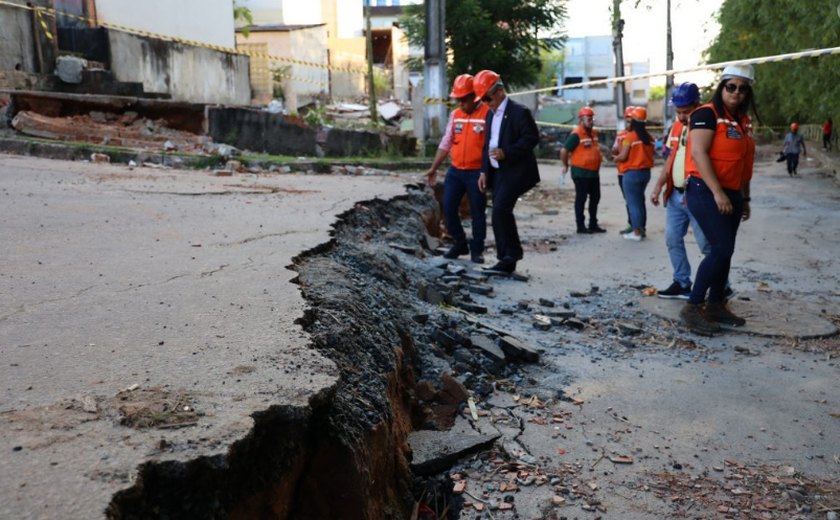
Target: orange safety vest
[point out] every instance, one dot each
(641, 154)
(468, 134)
(732, 151)
(621, 166)
(673, 145)
(586, 154)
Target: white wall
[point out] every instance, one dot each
(351, 19)
(186, 72)
(206, 21)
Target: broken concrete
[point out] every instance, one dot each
(434, 451)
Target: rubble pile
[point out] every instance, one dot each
(127, 130)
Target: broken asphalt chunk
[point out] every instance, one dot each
(433, 451)
(471, 307)
(488, 346)
(518, 350)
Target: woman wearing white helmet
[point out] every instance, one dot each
(719, 164)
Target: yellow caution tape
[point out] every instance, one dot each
(813, 53)
(43, 23)
(220, 48)
(302, 80)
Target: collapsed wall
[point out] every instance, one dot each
(346, 455)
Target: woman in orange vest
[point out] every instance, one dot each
(582, 151)
(464, 140)
(719, 164)
(621, 167)
(637, 155)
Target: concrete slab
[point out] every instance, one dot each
(121, 287)
(767, 314)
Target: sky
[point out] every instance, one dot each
(692, 23)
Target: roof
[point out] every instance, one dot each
(279, 27)
(386, 10)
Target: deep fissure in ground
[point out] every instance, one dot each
(347, 455)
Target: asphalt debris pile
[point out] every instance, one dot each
(745, 491)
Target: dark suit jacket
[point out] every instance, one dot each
(518, 137)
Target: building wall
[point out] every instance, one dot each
(186, 73)
(309, 44)
(206, 21)
(17, 47)
(347, 47)
(589, 58)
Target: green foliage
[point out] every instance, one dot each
(278, 76)
(243, 15)
(551, 66)
(803, 90)
(500, 35)
(657, 92)
(316, 116)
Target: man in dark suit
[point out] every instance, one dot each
(508, 165)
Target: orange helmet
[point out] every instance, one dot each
(628, 112)
(484, 81)
(639, 114)
(794, 127)
(462, 87)
(586, 111)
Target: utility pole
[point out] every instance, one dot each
(618, 27)
(434, 73)
(668, 112)
(374, 117)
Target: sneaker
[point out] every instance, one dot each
(633, 236)
(597, 229)
(675, 292)
(693, 317)
(626, 230)
(457, 250)
(718, 313)
(477, 258)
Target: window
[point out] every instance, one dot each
(639, 93)
(600, 85)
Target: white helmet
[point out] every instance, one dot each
(746, 72)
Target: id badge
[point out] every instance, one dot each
(732, 133)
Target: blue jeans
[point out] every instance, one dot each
(677, 219)
(792, 162)
(635, 182)
(720, 231)
(457, 183)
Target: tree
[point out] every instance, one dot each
(803, 90)
(500, 35)
(242, 15)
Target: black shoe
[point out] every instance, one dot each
(457, 250)
(502, 267)
(728, 293)
(675, 292)
(597, 229)
(584, 231)
(477, 258)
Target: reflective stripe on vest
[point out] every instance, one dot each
(468, 134)
(586, 154)
(731, 152)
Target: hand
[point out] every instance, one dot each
(431, 177)
(654, 198)
(497, 153)
(745, 212)
(482, 182)
(723, 203)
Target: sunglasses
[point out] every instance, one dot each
(488, 96)
(732, 87)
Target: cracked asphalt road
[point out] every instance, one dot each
(168, 281)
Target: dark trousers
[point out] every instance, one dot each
(720, 231)
(626, 207)
(459, 182)
(792, 162)
(587, 187)
(505, 193)
(827, 141)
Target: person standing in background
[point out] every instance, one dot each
(637, 152)
(622, 166)
(581, 150)
(791, 146)
(827, 131)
